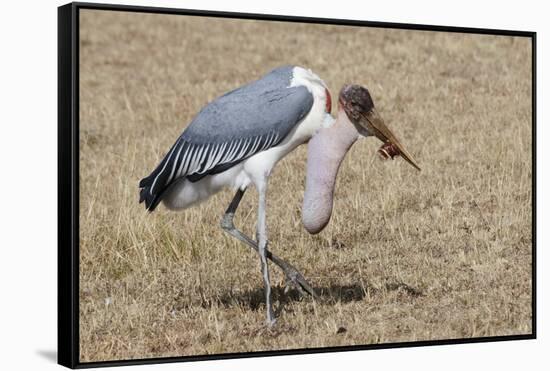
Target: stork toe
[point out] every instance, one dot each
(295, 279)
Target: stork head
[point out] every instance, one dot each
(356, 102)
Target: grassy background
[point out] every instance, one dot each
(445, 253)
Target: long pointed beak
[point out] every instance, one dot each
(376, 125)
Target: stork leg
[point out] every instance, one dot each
(261, 237)
(291, 273)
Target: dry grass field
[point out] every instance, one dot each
(439, 254)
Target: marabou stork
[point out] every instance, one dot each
(237, 139)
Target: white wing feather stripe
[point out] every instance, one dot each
(216, 158)
(271, 139)
(211, 157)
(233, 151)
(253, 146)
(175, 163)
(195, 160)
(257, 142)
(225, 153)
(162, 170)
(268, 138)
(204, 156)
(246, 149)
(221, 154)
(244, 146)
(183, 161)
(190, 157)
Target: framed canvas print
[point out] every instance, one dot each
(236, 185)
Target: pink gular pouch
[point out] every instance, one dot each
(326, 150)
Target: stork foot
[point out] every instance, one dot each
(295, 279)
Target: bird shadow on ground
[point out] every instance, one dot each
(329, 295)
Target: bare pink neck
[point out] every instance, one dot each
(326, 151)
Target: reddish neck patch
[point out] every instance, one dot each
(328, 104)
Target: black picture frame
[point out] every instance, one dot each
(68, 180)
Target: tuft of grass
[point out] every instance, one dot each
(445, 253)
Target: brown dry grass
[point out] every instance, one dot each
(445, 253)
